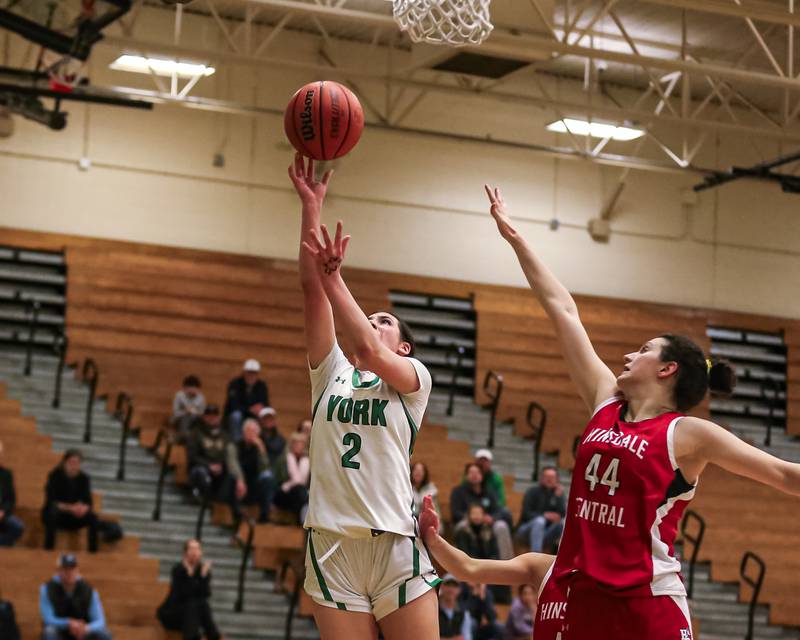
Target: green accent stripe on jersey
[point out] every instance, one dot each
(357, 384)
(411, 424)
(316, 404)
(416, 558)
(402, 598)
(322, 585)
(433, 583)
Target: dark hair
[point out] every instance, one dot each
(425, 476)
(694, 377)
(191, 381)
(522, 588)
(406, 335)
(188, 542)
(549, 467)
(71, 453)
(472, 464)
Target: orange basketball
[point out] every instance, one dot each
(324, 120)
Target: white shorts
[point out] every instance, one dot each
(376, 575)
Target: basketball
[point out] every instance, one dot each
(324, 120)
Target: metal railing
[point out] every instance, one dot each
(32, 311)
(458, 350)
(537, 427)
(493, 388)
(755, 583)
(696, 539)
(90, 374)
(123, 412)
(162, 435)
(775, 389)
(60, 344)
(247, 549)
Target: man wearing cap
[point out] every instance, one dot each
(454, 620)
(273, 440)
(247, 396)
(70, 607)
(491, 479)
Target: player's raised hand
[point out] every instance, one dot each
(498, 210)
(428, 520)
(328, 253)
(302, 173)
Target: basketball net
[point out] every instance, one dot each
(64, 72)
(453, 22)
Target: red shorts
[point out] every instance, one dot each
(550, 610)
(593, 614)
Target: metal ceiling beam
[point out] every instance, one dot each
(760, 11)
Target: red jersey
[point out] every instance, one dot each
(625, 501)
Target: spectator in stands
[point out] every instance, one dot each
(491, 479)
(422, 486)
(543, 511)
(292, 472)
(477, 539)
(273, 440)
(478, 600)
(454, 620)
(255, 482)
(186, 607)
(304, 427)
(470, 491)
(247, 396)
(68, 500)
(523, 609)
(11, 527)
(8, 621)
(70, 607)
(187, 406)
(212, 460)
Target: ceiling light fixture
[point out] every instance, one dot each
(161, 66)
(594, 129)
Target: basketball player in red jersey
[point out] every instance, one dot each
(636, 469)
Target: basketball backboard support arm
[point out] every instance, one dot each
(762, 171)
(78, 45)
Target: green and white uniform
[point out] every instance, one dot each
(363, 554)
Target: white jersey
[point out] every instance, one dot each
(361, 445)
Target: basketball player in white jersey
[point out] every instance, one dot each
(365, 566)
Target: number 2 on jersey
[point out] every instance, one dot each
(352, 440)
(609, 478)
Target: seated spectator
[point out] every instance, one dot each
(187, 406)
(478, 600)
(470, 491)
(304, 427)
(212, 460)
(292, 472)
(186, 607)
(273, 440)
(454, 620)
(247, 395)
(477, 539)
(8, 621)
(11, 527)
(519, 625)
(68, 501)
(70, 607)
(256, 472)
(422, 486)
(491, 479)
(543, 510)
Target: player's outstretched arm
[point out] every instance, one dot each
(319, 330)
(594, 379)
(529, 568)
(370, 353)
(699, 442)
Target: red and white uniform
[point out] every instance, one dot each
(617, 561)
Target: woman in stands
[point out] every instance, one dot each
(637, 467)
(365, 563)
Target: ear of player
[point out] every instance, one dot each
(324, 120)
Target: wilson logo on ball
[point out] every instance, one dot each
(324, 120)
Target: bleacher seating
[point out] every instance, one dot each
(150, 315)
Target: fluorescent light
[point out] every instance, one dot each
(594, 129)
(161, 66)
